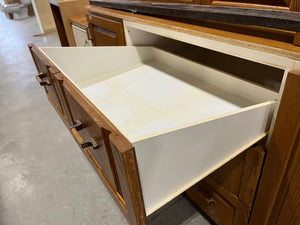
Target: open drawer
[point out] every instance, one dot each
(184, 119)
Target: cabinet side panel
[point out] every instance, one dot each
(279, 179)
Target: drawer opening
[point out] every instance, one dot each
(184, 119)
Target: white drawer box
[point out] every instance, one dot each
(184, 119)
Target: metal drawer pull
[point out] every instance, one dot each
(77, 125)
(90, 142)
(42, 79)
(206, 196)
(211, 201)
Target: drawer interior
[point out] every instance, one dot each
(159, 90)
(185, 119)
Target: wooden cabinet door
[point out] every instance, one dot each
(212, 203)
(292, 5)
(94, 137)
(241, 174)
(106, 31)
(45, 75)
(227, 194)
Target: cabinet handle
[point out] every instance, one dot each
(42, 79)
(90, 142)
(211, 201)
(77, 125)
(206, 196)
(88, 33)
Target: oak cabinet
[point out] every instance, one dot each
(138, 115)
(227, 194)
(117, 119)
(105, 31)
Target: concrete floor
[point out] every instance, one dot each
(44, 177)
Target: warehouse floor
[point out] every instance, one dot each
(44, 177)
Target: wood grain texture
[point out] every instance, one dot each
(70, 9)
(59, 25)
(43, 65)
(62, 11)
(115, 195)
(250, 42)
(253, 161)
(246, 16)
(106, 31)
(129, 180)
(236, 182)
(297, 39)
(91, 130)
(58, 83)
(79, 21)
(278, 185)
(212, 188)
(216, 207)
(230, 174)
(295, 5)
(241, 174)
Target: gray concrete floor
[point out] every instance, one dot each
(44, 177)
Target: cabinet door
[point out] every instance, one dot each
(292, 5)
(240, 175)
(106, 31)
(212, 203)
(45, 76)
(94, 137)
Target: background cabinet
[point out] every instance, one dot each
(226, 195)
(106, 31)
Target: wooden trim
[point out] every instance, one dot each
(129, 180)
(117, 198)
(253, 162)
(60, 91)
(242, 212)
(295, 5)
(297, 39)
(282, 147)
(59, 25)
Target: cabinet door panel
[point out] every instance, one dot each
(91, 134)
(212, 203)
(106, 31)
(240, 175)
(43, 67)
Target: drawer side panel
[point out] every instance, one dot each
(171, 163)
